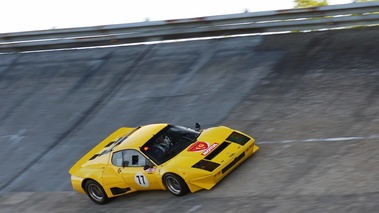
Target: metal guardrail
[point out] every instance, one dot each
(314, 18)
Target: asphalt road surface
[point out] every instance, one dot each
(311, 101)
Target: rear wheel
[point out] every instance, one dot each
(175, 184)
(95, 192)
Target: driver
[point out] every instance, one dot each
(163, 142)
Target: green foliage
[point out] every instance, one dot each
(310, 3)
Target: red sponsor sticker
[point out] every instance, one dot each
(198, 146)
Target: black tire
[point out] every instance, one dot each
(175, 184)
(96, 192)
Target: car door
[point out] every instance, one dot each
(112, 177)
(136, 175)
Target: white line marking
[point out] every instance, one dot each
(321, 140)
(194, 208)
(17, 137)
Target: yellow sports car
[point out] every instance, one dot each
(160, 157)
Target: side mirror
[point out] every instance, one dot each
(146, 167)
(197, 127)
(125, 163)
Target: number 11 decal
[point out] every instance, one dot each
(141, 179)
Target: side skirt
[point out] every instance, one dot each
(118, 191)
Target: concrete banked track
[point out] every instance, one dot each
(311, 100)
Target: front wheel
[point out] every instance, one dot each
(95, 192)
(175, 184)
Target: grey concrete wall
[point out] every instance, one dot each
(311, 100)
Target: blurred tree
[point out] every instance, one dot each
(310, 3)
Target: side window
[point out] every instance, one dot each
(134, 158)
(117, 159)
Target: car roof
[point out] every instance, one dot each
(140, 136)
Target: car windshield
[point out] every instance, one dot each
(168, 143)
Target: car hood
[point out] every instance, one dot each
(213, 147)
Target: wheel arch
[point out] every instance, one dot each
(106, 189)
(187, 179)
(172, 173)
(85, 180)
(184, 186)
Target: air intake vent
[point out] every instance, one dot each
(109, 144)
(206, 165)
(217, 151)
(233, 163)
(93, 157)
(238, 138)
